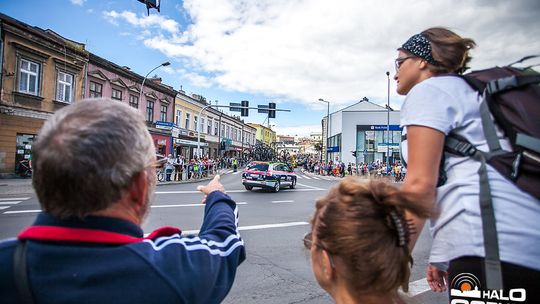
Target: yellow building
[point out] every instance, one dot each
(264, 134)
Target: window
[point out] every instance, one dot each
(187, 120)
(116, 94)
(228, 131)
(216, 126)
(149, 111)
(209, 129)
(178, 118)
(134, 101)
(222, 130)
(195, 122)
(28, 77)
(64, 87)
(95, 90)
(202, 125)
(163, 113)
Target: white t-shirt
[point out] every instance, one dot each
(447, 104)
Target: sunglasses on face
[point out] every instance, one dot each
(399, 61)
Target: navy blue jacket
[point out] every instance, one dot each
(160, 269)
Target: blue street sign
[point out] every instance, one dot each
(262, 109)
(333, 149)
(233, 107)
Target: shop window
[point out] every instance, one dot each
(23, 151)
(29, 76)
(95, 90)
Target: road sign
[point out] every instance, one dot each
(235, 107)
(333, 149)
(262, 109)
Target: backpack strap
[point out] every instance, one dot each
(455, 144)
(511, 82)
(488, 126)
(21, 274)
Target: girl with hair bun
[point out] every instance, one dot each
(438, 102)
(359, 241)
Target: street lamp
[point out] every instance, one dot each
(388, 125)
(327, 125)
(166, 63)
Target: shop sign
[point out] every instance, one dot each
(384, 127)
(189, 142)
(333, 149)
(382, 147)
(162, 142)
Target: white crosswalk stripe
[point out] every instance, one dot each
(307, 177)
(8, 202)
(314, 177)
(299, 176)
(237, 172)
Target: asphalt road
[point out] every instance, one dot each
(277, 269)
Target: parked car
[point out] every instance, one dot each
(268, 175)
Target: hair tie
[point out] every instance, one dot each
(402, 228)
(419, 46)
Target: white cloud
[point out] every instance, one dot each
(78, 2)
(145, 22)
(337, 50)
(302, 131)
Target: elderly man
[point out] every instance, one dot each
(94, 176)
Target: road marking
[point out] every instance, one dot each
(417, 287)
(188, 205)
(234, 191)
(10, 203)
(314, 177)
(1, 208)
(14, 198)
(299, 176)
(22, 211)
(258, 227)
(306, 176)
(237, 172)
(311, 187)
(278, 202)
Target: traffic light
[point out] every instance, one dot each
(271, 110)
(353, 153)
(244, 111)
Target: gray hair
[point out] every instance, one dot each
(87, 154)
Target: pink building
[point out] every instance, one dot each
(106, 79)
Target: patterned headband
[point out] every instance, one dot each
(419, 46)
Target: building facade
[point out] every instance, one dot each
(41, 72)
(221, 135)
(264, 134)
(156, 103)
(362, 128)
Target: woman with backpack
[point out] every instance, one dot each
(438, 102)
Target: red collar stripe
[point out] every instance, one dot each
(83, 235)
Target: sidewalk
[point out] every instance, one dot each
(16, 186)
(11, 186)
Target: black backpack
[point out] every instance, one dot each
(512, 97)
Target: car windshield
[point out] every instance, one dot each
(258, 167)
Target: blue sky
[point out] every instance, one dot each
(291, 52)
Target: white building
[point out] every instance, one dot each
(361, 128)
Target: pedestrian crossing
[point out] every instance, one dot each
(299, 175)
(8, 202)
